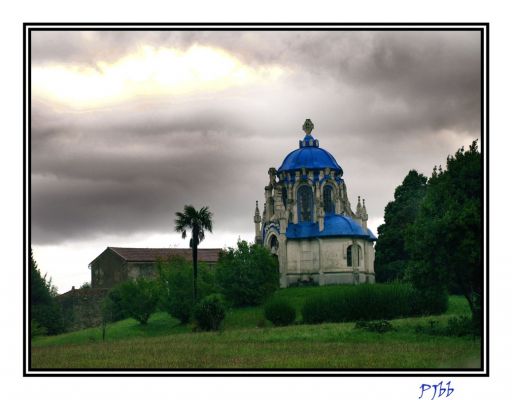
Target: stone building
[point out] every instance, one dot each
(308, 222)
(117, 264)
(81, 308)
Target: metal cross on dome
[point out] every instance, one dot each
(308, 126)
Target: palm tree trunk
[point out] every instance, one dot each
(195, 240)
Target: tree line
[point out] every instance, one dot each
(45, 313)
(432, 234)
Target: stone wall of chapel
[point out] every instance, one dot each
(303, 256)
(334, 253)
(293, 256)
(370, 258)
(328, 256)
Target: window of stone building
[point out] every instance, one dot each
(285, 196)
(328, 202)
(145, 270)
(274, 244)
(98, 275)
(305, 198)
(357, 255)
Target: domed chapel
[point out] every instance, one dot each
(308, 223)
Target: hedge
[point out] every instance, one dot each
(371, 302)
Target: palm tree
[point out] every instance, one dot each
(197, 222)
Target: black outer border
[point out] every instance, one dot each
(25, 339)
(28, 27)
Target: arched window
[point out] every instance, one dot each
(305, 198)
(274, 244)
(328, 201)
(354, 261)
(285, 196)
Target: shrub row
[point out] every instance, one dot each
(372, 302)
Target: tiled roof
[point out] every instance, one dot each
(149, 254)
(94, 292)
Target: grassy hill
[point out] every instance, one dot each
(248, 341)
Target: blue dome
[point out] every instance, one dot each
(309, 156)
(334, 225)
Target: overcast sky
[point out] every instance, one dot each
(128, 127)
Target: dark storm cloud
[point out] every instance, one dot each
(98, 172)
(382, 103)
(434, 74)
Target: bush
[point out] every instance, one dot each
(176, 287)
(381, 326)
(139, 298)
(365, 302)
(247, 275)
(457, 326)
(280, 312)
(461, 326)
(210, 312)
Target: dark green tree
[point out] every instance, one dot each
(197, 222)
(45, 312)
(139, 298)
(112, 307)
(445, 241)
(175, 280)
(248, 274)
(391, 258)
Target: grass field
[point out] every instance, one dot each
(247, 341)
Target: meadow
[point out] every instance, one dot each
(246, 340)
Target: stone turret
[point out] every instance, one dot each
(358, 214)
(364, 216)
(359, 209)
(257, 225)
